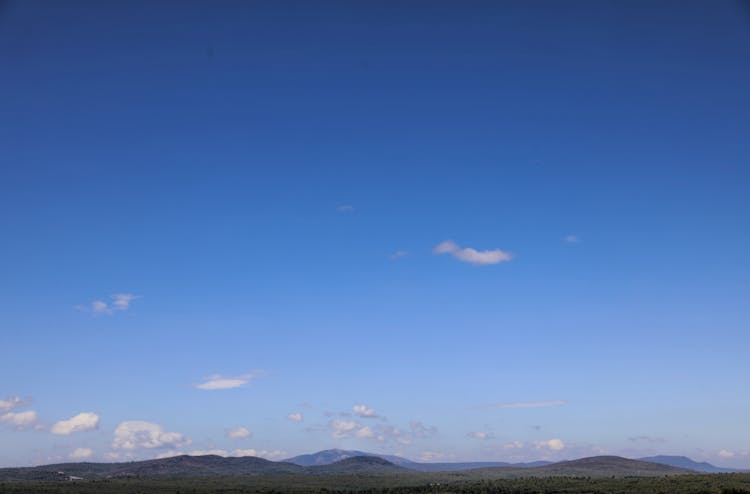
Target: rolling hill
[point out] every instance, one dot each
(329, 456)
(685, 462)
(215, 466)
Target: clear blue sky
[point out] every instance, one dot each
(218, 214)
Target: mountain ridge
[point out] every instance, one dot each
(213, 466)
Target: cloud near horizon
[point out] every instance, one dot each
(81, 453)
(472, 256)
(238, 433)
(138, 434)
(82, 422)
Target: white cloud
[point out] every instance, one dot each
(525, 404)
(80, 453)
(99, 307)
(296, 417)
(137, 434)
(343, 428)
(13, 402)
(472, 256)
(120, 302)
(365, 432)
(238, 433)
(365, 412)
(552, 444)
(513, 445)
(480, 435)
(724, 453)
(20, 420)
(345, 208)
(80, 423)
(571, 239)
(217, 381)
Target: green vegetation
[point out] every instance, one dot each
(432, 483)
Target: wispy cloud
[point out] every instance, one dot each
(383, 433)
(217, 381)
(80, 423)
(120, 302)
(237, 433)
(398, 254)
(572, 239)
(296, 417)
(647, 439)
(524, 404)
(345, 208)
(480, 435)
(472, 256)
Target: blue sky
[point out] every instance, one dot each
(500, 230)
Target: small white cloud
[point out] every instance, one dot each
(217, 381)
(343, 428)
(137, 434)
(571, 239)
(725, 453)
(365, 432)
(13, 402)
(296, 417)
(80, 453)
(99, 307)
(120, 302)
(238, 433)
(20, 420)
(365, 412)
(525, 404)
(513, 445)
(80, 423)
(472, 256)
(551, 444)
(480, 435)
(345, 208)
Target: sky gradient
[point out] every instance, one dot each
(447, 230)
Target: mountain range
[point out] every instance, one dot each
(336, 461)
(329, 456)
